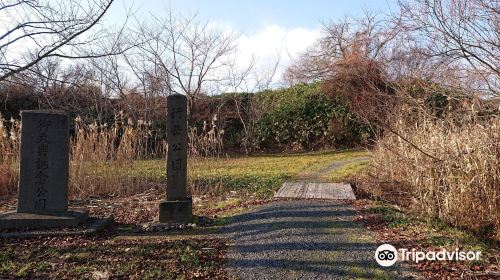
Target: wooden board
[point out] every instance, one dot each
(309, 190)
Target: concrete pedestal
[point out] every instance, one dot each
(16, 220)
(178, 211)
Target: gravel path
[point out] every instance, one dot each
(303, 239)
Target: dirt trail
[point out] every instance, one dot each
(320, 175)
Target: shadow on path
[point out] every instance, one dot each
(303, 239)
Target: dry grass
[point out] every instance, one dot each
(100, 154)
(9, 156)
(99, 151)
(208, 142)
(258, 175)
(112, 160)
(458, 181)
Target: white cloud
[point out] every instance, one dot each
(268, 45)
(274, 41)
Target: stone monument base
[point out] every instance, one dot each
(176, 211)
(15, 220)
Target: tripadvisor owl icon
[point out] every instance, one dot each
(386, 255)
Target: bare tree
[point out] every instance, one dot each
(243, 82)
(467, 31)
(152, 82)
(368, 38)
(191, 53)
(33, 30)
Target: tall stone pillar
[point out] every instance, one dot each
(178, 206)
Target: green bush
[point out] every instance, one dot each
(303, 118)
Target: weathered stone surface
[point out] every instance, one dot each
(177, 147)
(16, 220)
(89, 227)
(43, 181)
(179, 211)
(177, 207)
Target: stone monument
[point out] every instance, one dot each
(43, 174)
(178, 206)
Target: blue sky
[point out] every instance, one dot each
(269, 30)
(251, 15)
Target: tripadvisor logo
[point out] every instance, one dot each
(387, 255)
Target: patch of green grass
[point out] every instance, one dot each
(380, 274)
(368, 273)
(269, 166)
(80, 255)
(356, 271)
(7, 267)
(394, 217)
(259, 175)
(399, 222)
(347, 171)
(148, 247)
(446, 236)
(124, 269)
(360, 238)
(226, 203)
(439, 240)
(3, 257)
(189, 257)
(23, 270)
(82, 269)
(264, 166)
(43, 266)
(142, 250)
(52, 252)
(157, 273)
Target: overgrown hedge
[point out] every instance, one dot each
(298, 118)
(304, 118)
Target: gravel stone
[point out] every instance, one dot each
(304, 239)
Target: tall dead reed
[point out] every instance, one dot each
(102, 156)
(108, 159)
(454, 174)
(204, 144)
(9, 155)
(208, 142)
